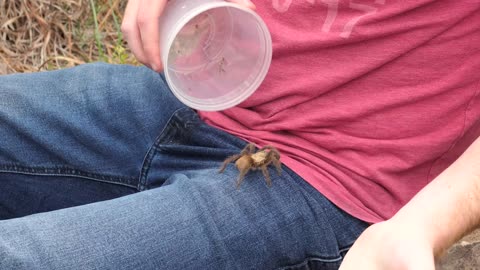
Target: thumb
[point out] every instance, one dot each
(245, 3)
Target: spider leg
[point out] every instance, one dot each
(241, 177)
(271, 149)
(228, 160)
(266, 175)
(267, 147)
(273, 156)
(275, 153)
(249, 149)
(278, 166)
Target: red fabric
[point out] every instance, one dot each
(367, 101)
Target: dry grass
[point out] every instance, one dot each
(50, 34)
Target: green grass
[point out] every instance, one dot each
(98, 37)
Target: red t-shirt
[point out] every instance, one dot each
(368, 101)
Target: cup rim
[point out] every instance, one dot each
(196, 103)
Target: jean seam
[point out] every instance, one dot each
(166, 133)
(344, 249)
(309, 259)
(68, 172)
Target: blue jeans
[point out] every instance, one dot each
(102, 168)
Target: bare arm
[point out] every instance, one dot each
(449, 207)
(435, 218)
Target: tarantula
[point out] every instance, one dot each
(248, 160)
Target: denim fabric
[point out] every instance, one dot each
(102, 168)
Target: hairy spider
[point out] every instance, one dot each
(248, 160)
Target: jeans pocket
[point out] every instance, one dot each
(186, 144)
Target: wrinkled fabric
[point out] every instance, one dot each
(367, 100)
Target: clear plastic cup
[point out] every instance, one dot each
(215, 53)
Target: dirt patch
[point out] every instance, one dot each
(464, 255)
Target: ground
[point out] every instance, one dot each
(464, 255)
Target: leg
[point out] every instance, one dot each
(195, 221)
(77, 135)
(249, 149)
(275, 160)
(241, 177)
(192, 218)
(266, 175)
(278, 166)
(227, 161)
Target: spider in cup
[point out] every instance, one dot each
(221, 65)
(248, 160)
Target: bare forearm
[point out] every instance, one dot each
(448, 207)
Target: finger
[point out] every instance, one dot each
(148, 18)
(245, 3)
(131, 32)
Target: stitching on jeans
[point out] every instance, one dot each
(347, 248)
(68, 172)
(166, 133)
(309, 259)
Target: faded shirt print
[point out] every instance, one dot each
(360, 9)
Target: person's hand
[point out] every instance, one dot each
(390, 246)
(141, 29)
